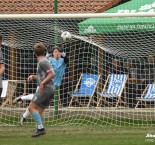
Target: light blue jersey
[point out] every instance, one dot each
(59, 69)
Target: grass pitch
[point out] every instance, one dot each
(77, 136)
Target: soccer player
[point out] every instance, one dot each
(45, 93)
(2, 68)
(59, 62)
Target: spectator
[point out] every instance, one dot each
(149, 70)
(131, 84)
(117, 68)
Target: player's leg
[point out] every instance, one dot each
(24, 116)
(23, 97)
(1, 100)
(35, 111)
(39, 102)
(27, 112)
(27, 97)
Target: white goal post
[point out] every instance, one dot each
(69, 16)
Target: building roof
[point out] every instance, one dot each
(47, 6)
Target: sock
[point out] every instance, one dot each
(37, 118)
(40, 126)
(42, 118)
(27, 97)
(26, 113)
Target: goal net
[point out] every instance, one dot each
(109, 79)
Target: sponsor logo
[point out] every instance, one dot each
(89, 82)
(134, 26)
(150, 135)
(34, 98)
(148, 7)
(90, 29)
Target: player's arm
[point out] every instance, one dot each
(50, 75)
(32, 77)
(2, 68)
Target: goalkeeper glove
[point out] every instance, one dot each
(63, 54)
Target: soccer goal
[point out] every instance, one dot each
(109, 79)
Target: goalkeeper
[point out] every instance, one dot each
(59, 61)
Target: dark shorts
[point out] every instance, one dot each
(1, 100)
(44, 99)
(0, 91)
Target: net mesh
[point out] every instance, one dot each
(129, 53)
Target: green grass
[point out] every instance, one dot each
(79, 131)
(77, 136)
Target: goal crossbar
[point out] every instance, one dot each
(86, 15)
